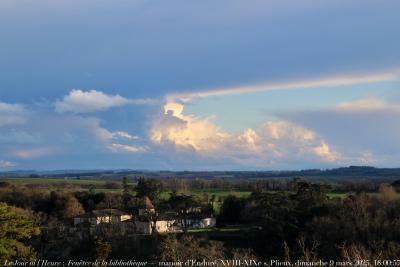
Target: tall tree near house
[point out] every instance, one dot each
(110, 201)
(16, 229)
(72, 207)
(212, 202)
(213, 198)
(150, 188)
(309, 194)
(231, 210)
(126, 195)
(182, 205)
(125, 186)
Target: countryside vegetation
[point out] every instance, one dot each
(285, 219)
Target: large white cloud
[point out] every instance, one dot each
(79, 101)
(301, 137)
(273, 143)
(280, 144)
(282, 140)
(365, 131)
(185, 131)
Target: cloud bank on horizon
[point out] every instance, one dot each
(286, 85)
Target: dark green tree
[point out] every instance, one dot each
(150, 188)
(16, 229)
(72, 207)
(231, 210)
(125, 186)
(127, 199)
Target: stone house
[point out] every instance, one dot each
(102, 216)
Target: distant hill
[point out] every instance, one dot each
(354, 172)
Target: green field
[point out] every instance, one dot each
(101, 183)
(51, 181)
(218, 193)
(100, 186)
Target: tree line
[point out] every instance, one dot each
(300, 222)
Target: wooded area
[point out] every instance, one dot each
(298, 219)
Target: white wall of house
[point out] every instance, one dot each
(164, 226)
(102, 219)
(126, 217)
(198, 223)
(208, 222)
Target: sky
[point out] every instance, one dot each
(199, 85)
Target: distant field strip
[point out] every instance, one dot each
(52, 181)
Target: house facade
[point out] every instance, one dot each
(102, 216)
(147, 219)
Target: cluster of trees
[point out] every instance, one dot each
(300, 222)
(66, 203)
(272, 184)
(306, 224)
(52, 211)
(16, 229)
